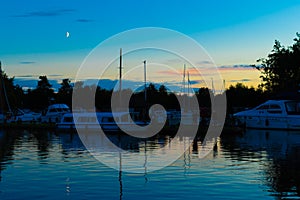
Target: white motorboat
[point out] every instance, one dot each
(54, 113)
(25, 116)
(273, 114)
(106, 120)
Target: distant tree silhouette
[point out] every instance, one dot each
(241, 96)
(281, 69)
(203, 95)
(64, 94)
(14, 93)
(40, 97)
(102, 99)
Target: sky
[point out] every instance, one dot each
(233, 33)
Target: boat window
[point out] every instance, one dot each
(68, 119)
(86, 119)
(293, 108)
(52, 110)
(274, 106)
(263, 107)
(275, 109)
(107, 119)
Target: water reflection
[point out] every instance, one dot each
(274, 155)
(277, 151)
(7, 141)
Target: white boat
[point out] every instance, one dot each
(106, 120)
(54, 113)
(25, 116)
(273, 114)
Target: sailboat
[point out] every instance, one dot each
(109, 122)
(187, 115)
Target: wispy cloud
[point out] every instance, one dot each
(235, 66)
(193, 72)
(204, 62)
(37, 76)
(55, 75)
(84, 20)
(26, 76)
(46, 13)
(195, 82)
(241, 80)
(30, 83)
(26, 62)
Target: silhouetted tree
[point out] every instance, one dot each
(40, 97)
(14, 93)
(64, 94)
(281, 69)
(240, 96)
(103, 99)
(203, 95)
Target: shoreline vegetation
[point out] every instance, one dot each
(280, 75)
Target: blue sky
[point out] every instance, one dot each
(33, 32)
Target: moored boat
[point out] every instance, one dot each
(54, 113)
(93, 121)
(273, 114)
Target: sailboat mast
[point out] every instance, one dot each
(188, 82)
(183, 86)
(120, 71)
(145, 82)
(183, 80)
(188, 91)
(212, 86)
(2, 87)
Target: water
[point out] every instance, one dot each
(48, 165)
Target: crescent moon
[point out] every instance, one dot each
(67, 34)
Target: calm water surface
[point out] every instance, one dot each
(253, 165)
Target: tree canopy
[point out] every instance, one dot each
(281, 69)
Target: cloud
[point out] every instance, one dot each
(241, 66)
(27, 82)
(205, 62)
(27, 62)
(195, 82)
(26, 76)
(55, 75)
(241, 80)
(84, 20)
(193, 72)
(49, 13)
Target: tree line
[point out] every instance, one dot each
(280, 78)
(43, 95)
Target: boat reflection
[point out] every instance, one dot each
(274, 154)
